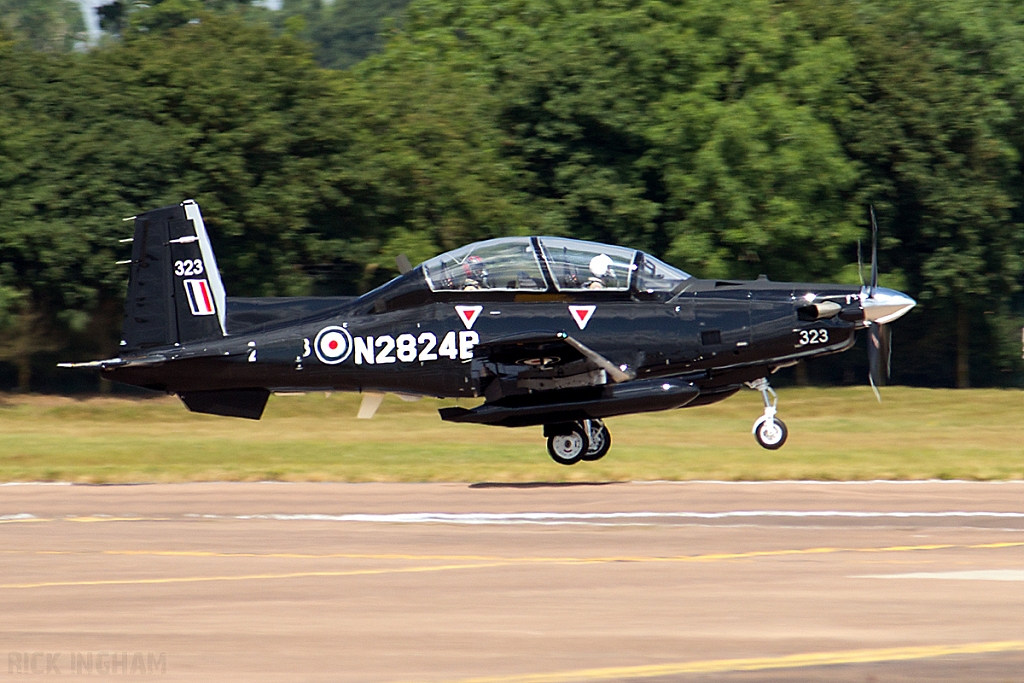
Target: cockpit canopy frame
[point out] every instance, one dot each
(538, 264)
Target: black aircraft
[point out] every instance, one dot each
(549, 331)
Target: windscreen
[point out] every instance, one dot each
(657, 276)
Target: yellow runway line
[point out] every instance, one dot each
(476, 561)
(116, 519)
(894, 654)
(246, 577)
(313, 556)
(710, 557)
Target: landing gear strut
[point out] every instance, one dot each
(600, 440)
(570, 442)
(769, 431)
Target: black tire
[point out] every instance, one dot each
(568, 448)
(771, 439)
(599, 446)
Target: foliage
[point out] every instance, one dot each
(688, 127)
(731, 137)
(344, 31)
(44, 25)
(933, 130)
(130, 18)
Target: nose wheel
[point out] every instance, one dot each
(571, 442)
(769, 431)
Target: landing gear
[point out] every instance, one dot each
(770, 434)
(569, 445)
(769, 431)
(570, 442)
(600, 440)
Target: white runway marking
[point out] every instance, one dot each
(977, 575)
(607, 518)
(830, 482)
(632, 518)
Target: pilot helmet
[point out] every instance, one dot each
(474, 267)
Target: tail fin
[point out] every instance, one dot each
(175, 294)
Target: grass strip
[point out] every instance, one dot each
(835, 434)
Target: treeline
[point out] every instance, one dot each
(729, 137)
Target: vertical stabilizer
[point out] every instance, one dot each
(175, 294)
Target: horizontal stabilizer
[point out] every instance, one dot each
(101, 364)
(247, 403)
(117, 362)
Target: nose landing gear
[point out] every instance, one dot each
(769, 432)
(570, 442)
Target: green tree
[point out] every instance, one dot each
(934, 125)
(44, 25)
(39, 260)
(134, 16)
(426, 171)
(344, 31)
(691, 128)
(149, 122)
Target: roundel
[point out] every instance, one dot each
(333, 345)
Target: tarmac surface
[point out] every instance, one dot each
(505, 583)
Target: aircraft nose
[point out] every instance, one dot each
(885, 305)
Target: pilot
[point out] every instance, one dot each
(475, 272)
(601, 270)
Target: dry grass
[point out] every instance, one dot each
(834, 434)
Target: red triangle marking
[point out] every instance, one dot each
(582, 314)
(469, 314)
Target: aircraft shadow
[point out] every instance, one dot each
(538, 484)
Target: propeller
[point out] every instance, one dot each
(880, 307)
(879, 356)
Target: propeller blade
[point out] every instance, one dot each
(874, 254)
(860, 265)
(879, 355)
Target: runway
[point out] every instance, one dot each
(514, 583)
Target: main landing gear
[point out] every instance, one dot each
(769, 431)
(570, 442)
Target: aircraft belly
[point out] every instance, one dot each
(619, 399)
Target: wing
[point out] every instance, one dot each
(549, 377)
(541, 361)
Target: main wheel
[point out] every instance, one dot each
(771, 434)
(568, 448)
(600, 442)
